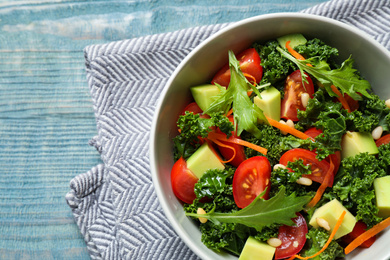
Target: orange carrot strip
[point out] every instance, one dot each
(234, 140)
(367, 235)
(229, 112)
(322, 187)
(218, 142)
(336, 227)
(341, 98)
(288, 129)
(247, 75)
(294, 53)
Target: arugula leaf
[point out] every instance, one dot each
(279, 209)
(246, 114)
(345, 77)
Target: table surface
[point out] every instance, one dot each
(46, 114)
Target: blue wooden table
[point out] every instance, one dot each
(46, 114)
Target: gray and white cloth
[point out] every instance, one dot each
(114, 204)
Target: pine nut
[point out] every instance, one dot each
(282, 122)
(201, 211)
(323, 223)
(295, 244)
(377, 132)
(305, 99)
(274, 242)
(305, 181)
(387, 102)
(277, 166)
(290, 123)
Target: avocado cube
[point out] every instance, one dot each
(295, 40)
(382, 193)
(204, 95)
(204, 159)
(269, 103)
(331, 212)
(354, 143)
(255, 250)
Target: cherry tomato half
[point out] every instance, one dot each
(336, 157)
(293, 90)
(360, 228)
(227, 153)
(293, 238)
(251, 178)
(183, 181)
(318, 168)
(249, 63)
(383, 140)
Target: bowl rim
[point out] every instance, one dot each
(154, 172)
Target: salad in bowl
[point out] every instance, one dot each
(284, 153)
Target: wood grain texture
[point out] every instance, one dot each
(46, 114)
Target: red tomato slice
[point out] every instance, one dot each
(227, 153)
(318, 168)
(293, 90)
(249, 63)
(293, 238)
(250, 179)
(360, 228)
(183, 181)
(383, 140)
(336, 157)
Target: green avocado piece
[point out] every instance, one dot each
(204, 95)
(354, 143)
(382, 193)
(254, 250)
(269, 102)
(295, 40)
(331, 212)
(202, 160)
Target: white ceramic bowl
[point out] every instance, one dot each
(201, 64)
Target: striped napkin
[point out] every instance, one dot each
(114, 204)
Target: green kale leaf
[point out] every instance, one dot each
(353, 187)
(316, 239)
(192, 127)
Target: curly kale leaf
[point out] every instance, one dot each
(288, 180)
(275, 142)
(316, 239)
(316, 47)
(384, 157)
(213, 183)
(371, 113)
(353, 187)
(192, 127)
(322, 113)
(275, 66)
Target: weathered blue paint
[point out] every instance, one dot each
(46, 115)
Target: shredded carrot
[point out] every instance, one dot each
(322, 187)
(247, 75)
(336, 227)
(367, 235)
(229, 112)
(293, 52)
(288, 129)
(341, 98)
(221, 137)
(219, 143)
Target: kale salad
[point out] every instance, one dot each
(285, 154)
